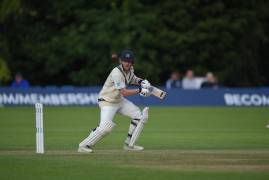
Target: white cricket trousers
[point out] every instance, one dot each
(125, 108)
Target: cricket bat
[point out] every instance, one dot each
(157, 92)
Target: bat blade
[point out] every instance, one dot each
(157, 92)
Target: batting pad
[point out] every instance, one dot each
(139, 127)
(97, 134)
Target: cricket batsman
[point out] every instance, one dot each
(112, 100)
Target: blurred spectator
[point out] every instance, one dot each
(173, 81)
(210, 81)
(19, 82)
(189, 82)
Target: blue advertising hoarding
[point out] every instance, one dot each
(87, 96)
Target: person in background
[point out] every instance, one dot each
(173, 81)
(189, 82)
(210, 81)
(19, 82)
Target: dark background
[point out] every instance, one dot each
(70, 42)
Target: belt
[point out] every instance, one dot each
(101, 99)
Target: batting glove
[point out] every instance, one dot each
(145, 84)
(145, 92)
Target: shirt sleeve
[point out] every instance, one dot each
(118, 80)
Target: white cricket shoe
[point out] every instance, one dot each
(267, 125)
(84, 149)
(133, 148)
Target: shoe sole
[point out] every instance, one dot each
(84, 151)
(129, 149)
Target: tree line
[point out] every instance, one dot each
(71, 42)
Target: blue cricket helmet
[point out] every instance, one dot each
(127, 55)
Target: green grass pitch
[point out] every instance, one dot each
(180, 143)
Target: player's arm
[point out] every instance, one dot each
(136, 80)
(129, 92)
(121, 86)
(143, 83)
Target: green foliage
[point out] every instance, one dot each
(8, 8)
(4, 71)
(70, 42)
